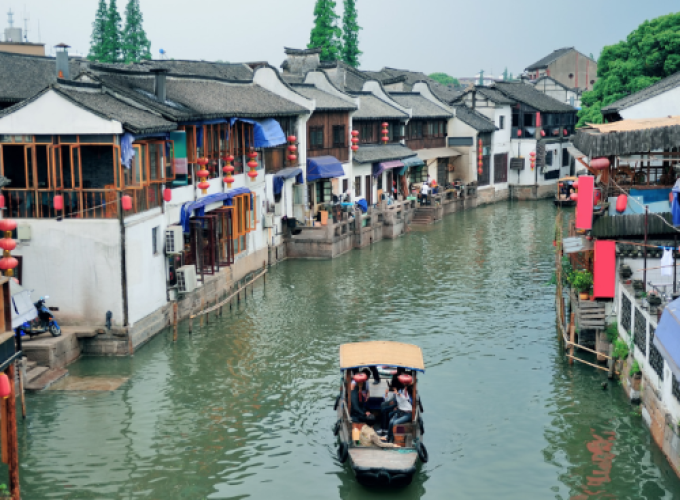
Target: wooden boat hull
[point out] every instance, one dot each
(376, 467)
(564, 203)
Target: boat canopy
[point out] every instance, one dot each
(567, 179)
(381, 352)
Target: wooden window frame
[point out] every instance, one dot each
(343, 136)
(312, 130)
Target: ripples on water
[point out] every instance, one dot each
(242, 408)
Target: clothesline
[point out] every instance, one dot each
(643, 245)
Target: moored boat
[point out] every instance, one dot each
(398, 365)
(564, 190)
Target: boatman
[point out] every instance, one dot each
(368, 436)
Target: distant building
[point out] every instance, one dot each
(657, 101)
(16, 44)
(567, 66)
(551, 87)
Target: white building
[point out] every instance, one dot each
(656, 101)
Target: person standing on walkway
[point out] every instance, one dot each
(424, 190)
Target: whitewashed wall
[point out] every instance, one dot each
(660, 106)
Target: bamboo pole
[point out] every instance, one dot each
(228, 299)
(572, 358)
(174, 321)
(590, 350)
(22, 376)
(12, 441)
(572, 338)
(202, 308)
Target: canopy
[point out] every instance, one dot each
(287, 173)
(267, 132)
(22, 308)
(381, 352)
(379, 168)
(667, 336)
(323, 167)
(413, 161)
(200, 204)
(431, 154)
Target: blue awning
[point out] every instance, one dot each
(667, 336)
(323, 167)
(287, 173)
(188, 208)
(413, 161)
(267, 132)
(379, 168)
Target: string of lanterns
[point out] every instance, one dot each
(355, 140)
(228, 170)
(292, 149)
(252, 164)
(479, 157)
(385, 134)
(8, 263)
(532, 159)
(203, 175)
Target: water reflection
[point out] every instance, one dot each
(242, 408)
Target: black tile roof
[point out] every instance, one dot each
(546, 77)
(224, 71)
(529, 95)
(420, 106)
(474, 119)
(374, 108)
(23, 76)
(447, 93)
(668, 83)
(545, 61)
(301, 52)
(494, 95)
(375, 153)
(324, 100)
(191, 98)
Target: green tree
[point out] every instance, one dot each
(350, 34)
(325, 34)
(136, 46)
(97, 38)
(647, 55)
(444, 79)
(112, 46)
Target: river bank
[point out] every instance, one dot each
(242, 408)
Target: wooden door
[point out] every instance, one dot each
(369, 190)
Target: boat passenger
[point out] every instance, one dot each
(404, 407)
(359, 398)
(368, 436)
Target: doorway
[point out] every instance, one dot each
(369, 190)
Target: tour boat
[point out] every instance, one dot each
(396, 363)
(562, 199)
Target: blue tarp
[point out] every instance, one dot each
(127, 151)
(651, 195)
(287, 173)
(667, 336)
(675, 209)
(413, 161)
(267, 132)
(363, 205)
(323, 167)
(188, 208)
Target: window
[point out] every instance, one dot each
(323, 191)
(415, 130)
(245, 218)
(528, 119)
(338, 136)
(357, 186)
(397, 131)
(418, 174)
(316, 137)
(548, 158)
(366, 132)
(380, 181)
(515, 119)
(154, 240)
(345, 185)
(501, 122)
(565, 157)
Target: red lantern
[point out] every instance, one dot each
(203, 186)
(8, 263)
(355, 133)
(8, 244)
(566, 132)
(202, 173)
(360, 378)
(252, 165)
(126, 202)
(599, 163)
(227, 169)
(621, 203)
(292, 148)
(230, 158)
(385, 124)
(355, 148)
(229, 180)
(519, 133)
(252, 155)
(202, 161)
(533, 153)
(479, 171)
(542, 133)
(292, 157)
(5, 388)
(355, 140)
(167, 195)
(58, 202)
(7, 225)
(2, 201)
(292, 138)
(575, 184)
(405, 379)
(252, 174)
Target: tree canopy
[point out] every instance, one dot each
(325, 34)
(136, 46)
(444, 79)
(647, 55)
(350, 34)
(98, 28)
(113, 45)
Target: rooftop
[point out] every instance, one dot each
(474, 119)
(668, 83)
(324, 100)
(224, 71)
(373, 108)
(529, 95)
(381, 152)
(421, 107)
(545, 61)
(24, 76)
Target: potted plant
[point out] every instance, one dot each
(635, 375)
(583, 282)
(620, 352)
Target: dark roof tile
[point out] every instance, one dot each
(421, 107)
(23, 76)
(382, 152)
(324, 100)
(529, 95)
(373, 108)
(474, 119)
(668, 83)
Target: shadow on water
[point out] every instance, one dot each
(242, 408)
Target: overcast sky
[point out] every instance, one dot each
(458, 37)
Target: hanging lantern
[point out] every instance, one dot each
(385, 137)
(519, 132)
(479, 171)
(2, 201)
(252, 165)
(228, 169)
(8, 244)
(292, 158)
(565, 131)
(621, 203)
(203, 175)
(8, 263)
(291, 138)
(126, 202)
(355, 141)
(599, 163)
(292, 149)
(58, 202)
(542, 133)
(573, 196)
(167, 195)
(7, 225)
(5, 388)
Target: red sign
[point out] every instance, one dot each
(584, 204)
(604, 270)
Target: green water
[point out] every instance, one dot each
(243, 408)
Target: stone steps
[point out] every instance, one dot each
(46, 379)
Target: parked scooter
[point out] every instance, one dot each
(45, 322)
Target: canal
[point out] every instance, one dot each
(242, 408)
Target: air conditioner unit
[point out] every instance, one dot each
(268, 220)
(186, 279)
(174, 240)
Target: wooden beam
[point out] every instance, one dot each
(586, 363)
(590, 350)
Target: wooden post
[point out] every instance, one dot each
(12, 441)
(415, 397)
(174, 321)
(644, 272)
(22, 376)
(202, 307)
(612, 368)
(572, 337)
(191, 317)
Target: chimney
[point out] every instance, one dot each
(63, 70)
(159, 83)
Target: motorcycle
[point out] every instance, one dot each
(45, 322)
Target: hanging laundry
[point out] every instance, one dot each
(667, 262)
(675, 207)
